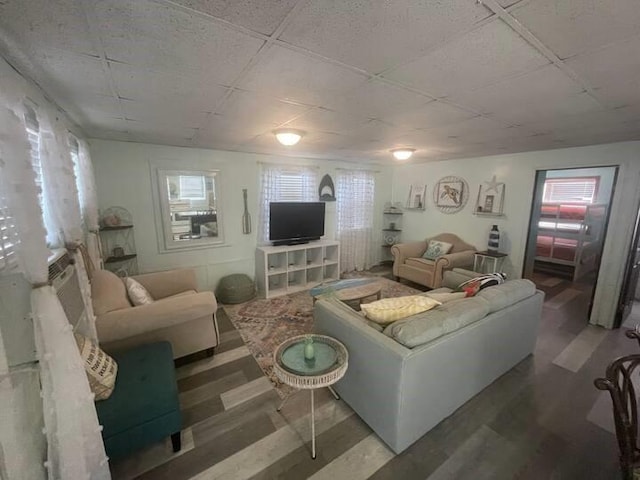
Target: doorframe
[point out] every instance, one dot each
(537, 203)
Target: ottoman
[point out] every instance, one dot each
(143, 408)
(235, 288)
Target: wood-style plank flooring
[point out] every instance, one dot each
(543, 419)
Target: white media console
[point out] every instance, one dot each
(293, 268)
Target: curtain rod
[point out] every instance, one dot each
(275, 164)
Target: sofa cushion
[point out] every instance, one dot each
(422, 263)
(389, 310)
(501, 296)
(108, 292)
(428, 326)
(138, 295)
(437, 248)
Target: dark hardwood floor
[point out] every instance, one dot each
(543, 419)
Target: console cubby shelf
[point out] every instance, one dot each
(294, 268)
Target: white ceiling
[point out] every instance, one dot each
(454, 78)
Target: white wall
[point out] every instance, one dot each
(518, 173)
(123, 177)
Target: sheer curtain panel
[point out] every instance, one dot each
(355, 191)
(284, 183)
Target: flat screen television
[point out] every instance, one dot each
(291, 223)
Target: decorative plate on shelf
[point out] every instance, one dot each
(116, 216)
(390, 239)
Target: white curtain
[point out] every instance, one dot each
(284, 183)
(74, 443)
(88, 197)
(354, 204)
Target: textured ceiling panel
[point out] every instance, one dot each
(146, 34)
(614, 71)
(569, 27)
(431, 115)
(327, 121)
(545, 90)
(379, 34)
(34, 24)
(374, 99)
(481, 57)
(293, 76)
(190, 91)
(262, 16)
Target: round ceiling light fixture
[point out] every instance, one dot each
(288, 136)
(402, 153)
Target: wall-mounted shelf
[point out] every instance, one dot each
(123, 258)
(118, 243)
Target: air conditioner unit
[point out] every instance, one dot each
(63, 276)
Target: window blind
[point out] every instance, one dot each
(8, 237)
(192, 187)
(291, 187)
(570, 190)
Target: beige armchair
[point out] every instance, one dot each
(180, 314)
(409, 264)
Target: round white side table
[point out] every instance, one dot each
(328, 366)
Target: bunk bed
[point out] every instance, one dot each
(571, 235)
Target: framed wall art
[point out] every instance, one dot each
(450, 194)
(490, 200)
(417, 197)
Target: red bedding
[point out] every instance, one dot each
(567, 212)
(563, 248)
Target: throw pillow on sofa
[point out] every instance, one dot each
(137, 293)
(474, 285)
(389, 310)
(100, 368)
(436, 248)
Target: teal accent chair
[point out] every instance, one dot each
(144, 407)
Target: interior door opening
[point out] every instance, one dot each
(567, 230)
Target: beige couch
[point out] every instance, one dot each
(409, 264)
(180, 314)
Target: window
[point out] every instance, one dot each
(8, 237)
(284, 183)
(581, 190)
(192, 187)
(33, 133)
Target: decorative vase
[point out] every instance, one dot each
(494, 239)
(309, 350)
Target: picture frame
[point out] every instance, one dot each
(450, 193)
(417, 197)
(490, 199)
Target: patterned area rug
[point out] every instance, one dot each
(264, 324)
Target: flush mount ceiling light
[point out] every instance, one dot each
(288, 136)
(403, 153)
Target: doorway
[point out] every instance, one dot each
(567, 229)
(628, 313)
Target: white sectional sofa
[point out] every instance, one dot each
(403, 392)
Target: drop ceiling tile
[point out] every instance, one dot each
(164, 113)
(259, 15)
(430, 115)
(613, 71)
(33, 24)
(481, 57)
(138, 129)
(546, 91)
(322, 120)
(379, 34)
(161, 38)
(293, 76)
(569, 27)
(375, 99)
(142, 84)
(68, 73)
(258, 112)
